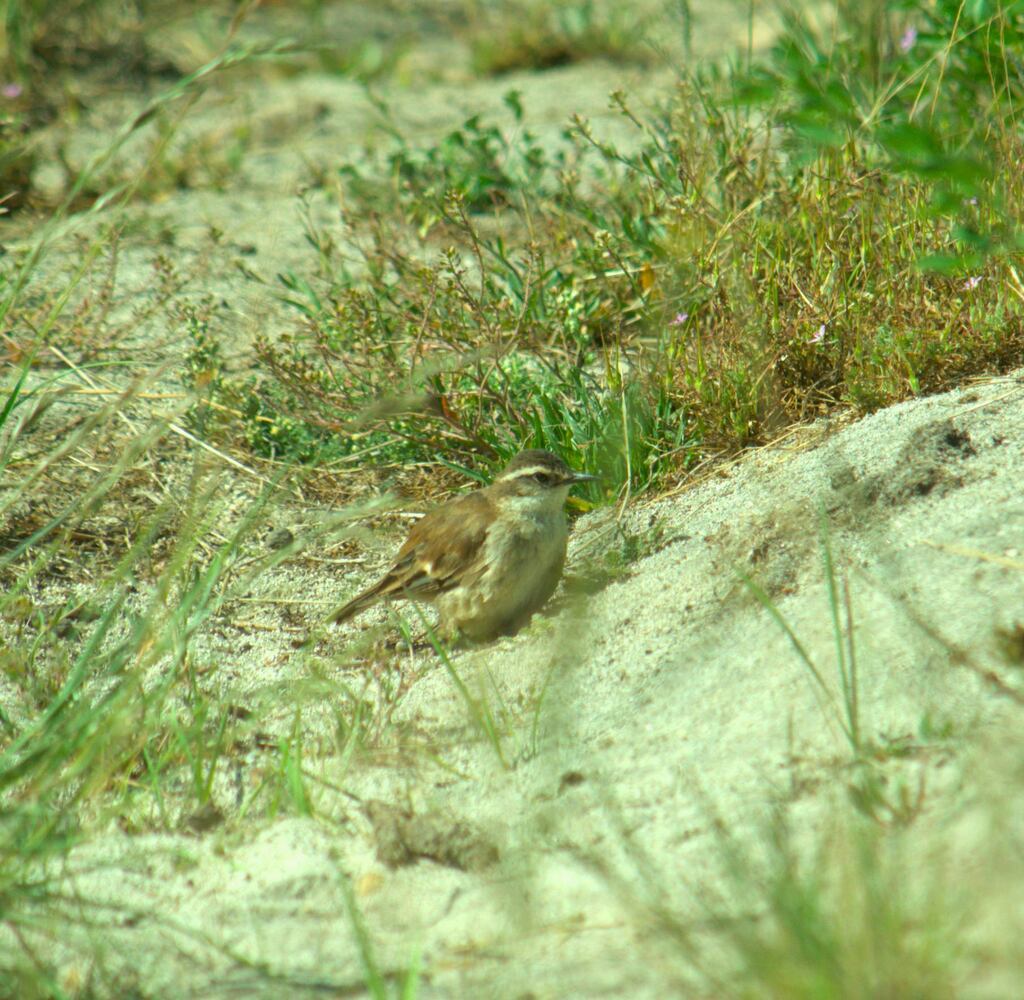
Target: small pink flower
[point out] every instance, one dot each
(972, 282)
(11, 90)
(680, 319)
(908, 39)
(819, 335)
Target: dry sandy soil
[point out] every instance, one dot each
(656, 723)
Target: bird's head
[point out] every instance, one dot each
(536, 479)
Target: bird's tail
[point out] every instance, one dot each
(358, 603)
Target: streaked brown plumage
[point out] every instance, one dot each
(487, 560)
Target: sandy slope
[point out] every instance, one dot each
(672, 698)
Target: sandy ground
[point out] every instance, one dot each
(673, 703)
(647, 720)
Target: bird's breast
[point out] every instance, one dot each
(521, 564)
(521, 557)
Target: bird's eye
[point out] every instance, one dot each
(543, 478)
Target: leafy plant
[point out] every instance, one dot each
(486, 166)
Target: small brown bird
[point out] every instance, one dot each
(487, 561)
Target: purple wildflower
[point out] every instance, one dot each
(11, 90)
(819, 335)
(680, 319)
(972, 282)
(908, 39)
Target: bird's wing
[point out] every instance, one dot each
(441, 549)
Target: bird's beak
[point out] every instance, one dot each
(582, 477)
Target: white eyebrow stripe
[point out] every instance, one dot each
(532, 470)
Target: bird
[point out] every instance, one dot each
(487, 560)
